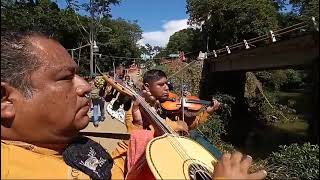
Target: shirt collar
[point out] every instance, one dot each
(33, 148)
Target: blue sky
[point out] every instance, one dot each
(158, 19)
(151, 14)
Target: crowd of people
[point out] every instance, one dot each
(44, 105)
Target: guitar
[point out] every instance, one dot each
(191, 160)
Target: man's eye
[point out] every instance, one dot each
(69, 77)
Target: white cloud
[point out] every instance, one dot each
(161, 38)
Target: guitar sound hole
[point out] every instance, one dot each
(199, 172)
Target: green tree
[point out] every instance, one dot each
(117, 37)
(95, 8)
(182, 40)
(227, 21)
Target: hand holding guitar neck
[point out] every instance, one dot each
(151, 99)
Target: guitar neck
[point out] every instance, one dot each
(153, 116)
(126, 90)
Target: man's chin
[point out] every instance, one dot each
(82, 123)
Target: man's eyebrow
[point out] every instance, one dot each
(67, 68)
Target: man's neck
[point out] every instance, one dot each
(56, 147)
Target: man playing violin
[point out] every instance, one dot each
(156, 91)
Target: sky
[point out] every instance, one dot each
(158, 19)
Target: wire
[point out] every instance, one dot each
(291, 30)
(182, 69)
(256, 81)
(73, 49)
(79, 25)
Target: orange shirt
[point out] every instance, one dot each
(25, 161)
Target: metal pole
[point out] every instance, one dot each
(91, 40)
(79, 55)
(95, 64)
(91, 60)
(72, 56)
(207, 42)
(114, 70)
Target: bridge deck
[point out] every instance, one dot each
(294, 52)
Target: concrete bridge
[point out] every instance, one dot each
(297, 52)
(226, 73)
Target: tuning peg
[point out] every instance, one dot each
(246, 44)
(215, 53)
(315, 24)
(272, 36)
(228, 49)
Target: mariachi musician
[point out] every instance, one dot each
(155, 89)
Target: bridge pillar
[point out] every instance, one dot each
(314, 122)
(231, 83)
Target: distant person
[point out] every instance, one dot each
(97, 98)
(156, 85)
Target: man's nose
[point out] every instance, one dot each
(82, 86)
(166, 87)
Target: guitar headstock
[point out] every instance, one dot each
(119, 87)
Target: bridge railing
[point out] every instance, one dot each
(271, 37)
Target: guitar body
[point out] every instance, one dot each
(165, 161)
(119, 114)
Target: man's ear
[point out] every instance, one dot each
(146, 86)
(7, 108)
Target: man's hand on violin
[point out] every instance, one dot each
(178, 126)
(214, 107)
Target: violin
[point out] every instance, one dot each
(191, 103)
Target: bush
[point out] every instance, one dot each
(215, 126)
(281, 79)
(294, 162)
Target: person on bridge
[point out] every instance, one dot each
(43, 108)
(155, 85)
